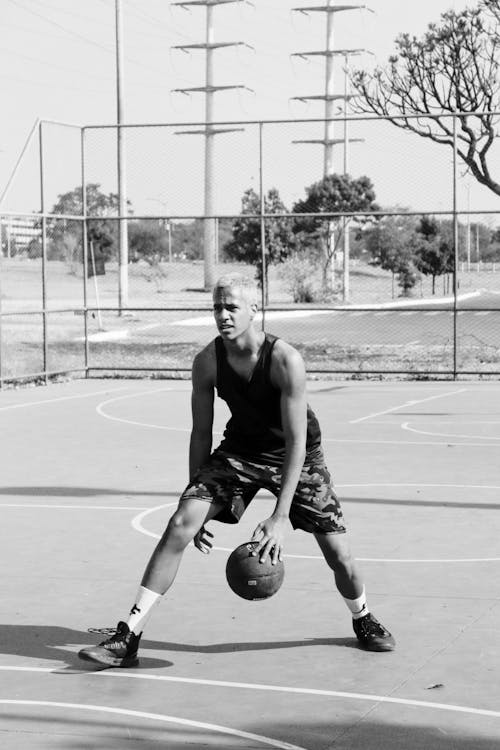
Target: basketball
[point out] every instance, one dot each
(251, 579)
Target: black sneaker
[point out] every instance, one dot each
(372, 635)
(120, 650)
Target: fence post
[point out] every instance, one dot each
(44, 255)
(455, 245)
(85, 259)
(1, 317)
(262, 227)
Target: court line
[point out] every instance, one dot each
(100, 410)
(70, 507)
(408, 442)
(137, 525)
(407, 403)
(186, 430)
(136, 522)
(62, 398)
(406, 426)
(159, 717)
(262, 687)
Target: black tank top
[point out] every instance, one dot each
(254, 430)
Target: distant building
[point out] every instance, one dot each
(17, 233)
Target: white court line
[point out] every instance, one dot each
(406, 426)
(69, 507)
(413, 402)
(446, 443)
(62, 398)
(266, 688)
(159, 717)
(136, 522)
(102, 413)
(100, 410)
(137, 525)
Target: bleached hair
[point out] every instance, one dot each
(246, 285)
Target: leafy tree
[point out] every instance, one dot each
(333, 194)
(101, 229)
(454, 67)
(148, 241)
(391, 244)
(34, 249)
(435, 248)
(245, 244)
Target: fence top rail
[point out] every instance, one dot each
(283, 215)
(44, 215)
(295, 120)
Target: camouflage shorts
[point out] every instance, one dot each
(234, 482)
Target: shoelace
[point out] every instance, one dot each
(102, 631)
(372, 627)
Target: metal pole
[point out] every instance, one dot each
(455, 242)
(468, 228)
(122, 192)
(329, 102)
(209, 207)
(345, 222)
(262, 226)
(328, 166)
(85, 259)
(1, 319)
(44, 256)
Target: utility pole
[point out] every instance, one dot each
(209, 131)
(121, 168)
(330, 98)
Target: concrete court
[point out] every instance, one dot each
(91, 471)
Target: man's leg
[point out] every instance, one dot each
(120, 650)
(190, 516)
(337, 553)
(370, 633)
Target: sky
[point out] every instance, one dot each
(57, 62)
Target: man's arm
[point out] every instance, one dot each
(202, 410)
(289, 376)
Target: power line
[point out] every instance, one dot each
(63, 28)
(52, 65)
(110, 50)
(57, 86)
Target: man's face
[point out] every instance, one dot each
(233, 312)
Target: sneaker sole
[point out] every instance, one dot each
(377, 647)
(108, 659)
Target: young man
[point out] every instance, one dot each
(272, 441)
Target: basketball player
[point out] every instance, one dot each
(271, 441)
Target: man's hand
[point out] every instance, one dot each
(202, 540)
(272, 533)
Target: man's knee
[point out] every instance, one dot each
(336, 552)
(181, 529)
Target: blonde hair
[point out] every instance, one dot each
(246, 285)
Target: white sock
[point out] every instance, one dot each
(142, 609)
(358, 607)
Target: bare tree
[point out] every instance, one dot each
(453, 68)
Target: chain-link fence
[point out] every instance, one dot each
(396, 272)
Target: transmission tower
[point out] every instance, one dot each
(210, 46)
(330, 98)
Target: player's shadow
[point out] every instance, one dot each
(57, 644)
(229, 648)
